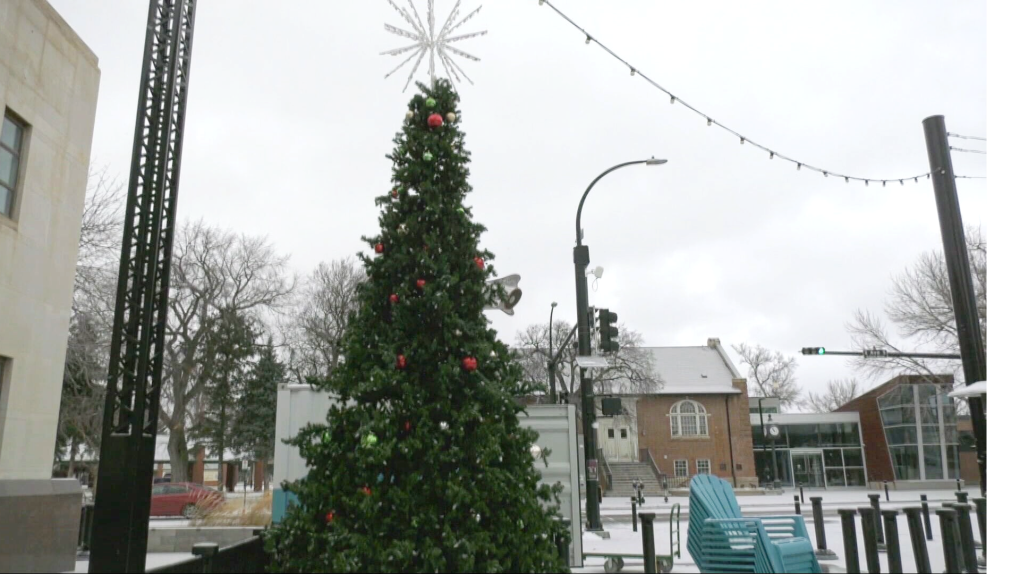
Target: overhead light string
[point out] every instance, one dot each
(952, 135)
(673, 98)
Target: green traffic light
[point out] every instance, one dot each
(821, 350)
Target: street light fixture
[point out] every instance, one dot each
(581, 261)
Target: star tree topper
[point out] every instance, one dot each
(428, 41)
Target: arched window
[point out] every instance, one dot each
(688, 418)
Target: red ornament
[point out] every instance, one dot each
(378, 247)
(394, 192)
(401, 361)
(366, 490)
(480, 263)
(470, 363)
(435, 120)
(407, 426)
(329, 517)
(421, 283)
(394, 298)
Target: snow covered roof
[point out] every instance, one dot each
(695, 370)
(976, 390)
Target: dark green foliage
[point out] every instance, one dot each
(254, 426)
(424, 468)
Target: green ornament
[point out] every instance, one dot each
(431, 102)
(427, 156)
(369, 440)
(325, 437)
(460, 210)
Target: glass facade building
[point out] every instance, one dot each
(920, 426)
(813, 450)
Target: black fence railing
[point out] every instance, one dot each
(247, 556)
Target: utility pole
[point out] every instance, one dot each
(954, 243)
(581, 260)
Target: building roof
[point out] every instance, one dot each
(854, 404)
(695, 370)
(976, 390)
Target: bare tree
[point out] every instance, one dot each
(325, 303)
(921, 311)
(88, 344)
(631, 371)
(770, 373)
(213, 272)
(837, 393)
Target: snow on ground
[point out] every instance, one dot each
(624, 541)
(154, 560)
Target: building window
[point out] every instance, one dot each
(680, 469)
(920, 429)
(704, 466)
(12, 136)
(688, 418)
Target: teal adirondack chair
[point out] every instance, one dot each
(720, 539)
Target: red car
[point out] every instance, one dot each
(183, 499)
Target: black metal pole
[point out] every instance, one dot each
(959, 485)
(588, 421)
(966, 537)
(648, 540)
(892, 531)
(885, 484)
(869, 527)
(796, 504)
(552, 365)
(922, 564)
(878, 518)
(816, 512)
(950, 539)
(980, 504)
(848, 520)
(954, 242)
(633, 512)
(927, 516)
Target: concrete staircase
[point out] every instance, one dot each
(624, 473)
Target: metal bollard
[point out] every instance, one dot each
(927, 516)
(633, 512)
(950, 539)
(885, 483)
(796, 504)
(878, 519)
(980, 502)
(869, 528)
(892, 538)
(848, 518)
(206, 550)
(648, 540)
(823, 552)
(966, 537)
(917, 542)
(802, 491)
(665, 491)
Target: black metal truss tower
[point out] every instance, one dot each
(130, 418)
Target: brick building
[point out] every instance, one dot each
(696, 423)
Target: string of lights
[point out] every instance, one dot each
(952, 135)
(673, 99)
(967, 150)
(971, 177)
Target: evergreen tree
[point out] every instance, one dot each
(422, 466)
(230, 347)
(254, 427)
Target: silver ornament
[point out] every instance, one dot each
(409, 114)
(443, 425)
(536, 451)
(451, 117)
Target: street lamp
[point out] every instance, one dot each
(552, 367)
(581, 260)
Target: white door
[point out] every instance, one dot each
(616, 439)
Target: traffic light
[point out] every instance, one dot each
(608, 332)
(813, 351)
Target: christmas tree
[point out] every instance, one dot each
(423, 466)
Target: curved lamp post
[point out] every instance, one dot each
(552, 367)
(581, 260)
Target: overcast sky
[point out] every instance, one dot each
(289, 121)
